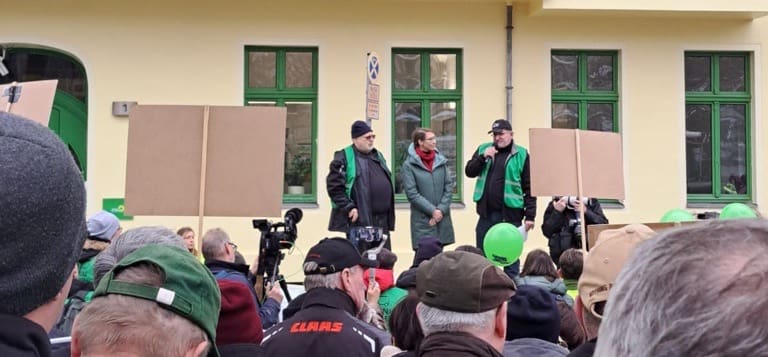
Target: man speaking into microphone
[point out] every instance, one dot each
(503, 187)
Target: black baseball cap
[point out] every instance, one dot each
(333, 255)
(499, 125)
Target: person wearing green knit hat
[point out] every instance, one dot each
(160, 302)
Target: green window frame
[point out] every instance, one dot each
(573, 97)
(713, 104)
(423, 105)
(273, 82)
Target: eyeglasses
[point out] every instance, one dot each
(369, 137)
(233, 245)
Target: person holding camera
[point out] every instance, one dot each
(562, 222)
(360, 187)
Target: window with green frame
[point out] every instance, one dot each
(718, 101)
(585, 91)
(287, 77)
(427, 93)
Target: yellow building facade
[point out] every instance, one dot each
(681, 81)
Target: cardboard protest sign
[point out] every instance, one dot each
(561, 159)
(180, 163)
(31, 100)
(572, 162)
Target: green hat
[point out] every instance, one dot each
(189, 289)
(462, 282)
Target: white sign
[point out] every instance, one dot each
(373, 71)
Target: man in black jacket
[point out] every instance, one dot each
(562, 222)
(503, 187)
(360, 187)
(326, 323)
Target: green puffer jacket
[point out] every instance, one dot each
(426, 191)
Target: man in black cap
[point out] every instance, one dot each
(503, 188)
(360, 187)
(42, 230)
(326, 324)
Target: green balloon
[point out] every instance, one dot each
(677, 215)
(503, 244)
(737, 211)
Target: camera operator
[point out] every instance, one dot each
(562, 222)
(219, 253)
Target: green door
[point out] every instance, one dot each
(68, 120)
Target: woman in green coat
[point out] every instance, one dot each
(429, 186)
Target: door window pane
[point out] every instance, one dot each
(733, 149)
(298, 69)
(261, 69)
(698, 77)
(442, 71)
(600, 116)
(565, 72)
(443, 122)
(407, 119)
(25, 67)
(298, 146)
(407, 71)
(565, 115)
(698, 148)
(732, 73)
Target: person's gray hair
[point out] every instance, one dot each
(213, 243)
(694, 291)
(330, 281)
(130, 241)
(435, 320)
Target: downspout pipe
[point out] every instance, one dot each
(509, 87)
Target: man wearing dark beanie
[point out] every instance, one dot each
(42, 229)
(533, 324)
(360, 187)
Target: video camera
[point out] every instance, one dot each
(574, 228)
(274, 237)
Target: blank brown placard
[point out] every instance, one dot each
(35, 100)
(601, 164)
(164, 159)
(246, 146)
(553, 163)
(244, 161)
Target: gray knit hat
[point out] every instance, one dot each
(42, 214)
(102, 226)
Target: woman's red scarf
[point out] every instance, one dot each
(428, 158)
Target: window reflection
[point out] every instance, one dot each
(442, 70)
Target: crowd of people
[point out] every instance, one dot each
(96, 290)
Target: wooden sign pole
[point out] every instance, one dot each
(203, 170)
(579, 193)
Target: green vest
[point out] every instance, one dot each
(513, 191)
(351, 170)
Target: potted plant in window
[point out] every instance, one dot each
(296, 173)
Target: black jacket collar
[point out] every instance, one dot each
(333, 298)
